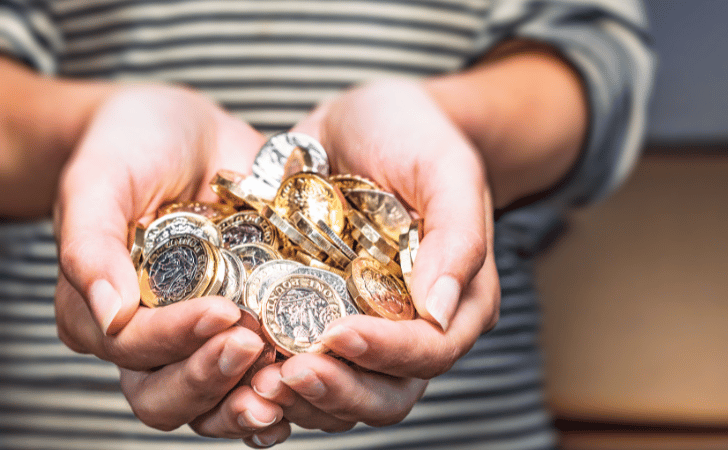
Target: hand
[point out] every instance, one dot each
(395, 134)
(146, 146)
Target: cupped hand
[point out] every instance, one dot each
(394, 133)
(146, 146)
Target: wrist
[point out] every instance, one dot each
(525, 108)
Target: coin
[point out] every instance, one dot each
(414, 236)
(213, 211)
(346, 182)
(406, 262)
(382, 209)
(178, 223)
(235, 276)
(136, 244)
(179, 269)
(254, 254)
(269, 164)
(292, 234)
(336, 240)
(306, 227)
(308, 260)
(315, 197)
(377, 292)
(226, 184)
(271, 270)
(217, 281)
(370, 239)
(335, 281)
(246, 227)
(295, 312)
(300, 160)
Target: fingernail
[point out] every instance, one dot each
(344, 341)
(306, 383)
(268, 393)
(442, 300)
(264, 441)
(216, 319)
(105, 302)
(237, 355)
(247, 420)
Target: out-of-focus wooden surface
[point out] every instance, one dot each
(635, 300)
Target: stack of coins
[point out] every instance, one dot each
(293, 246)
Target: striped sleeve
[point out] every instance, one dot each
(608, 44)
(28, 34)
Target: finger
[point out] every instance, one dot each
(241, 414)
(178, 393)
(351, 395)
(152, 338)
(417, 348)
(269, 437)
(269, 384)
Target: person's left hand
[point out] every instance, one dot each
(394, 133)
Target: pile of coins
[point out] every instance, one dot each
(293, 246)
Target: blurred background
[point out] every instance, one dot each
(636, 290)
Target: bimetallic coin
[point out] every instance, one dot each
(306, 227)
(378, 292)
(226, 184)
(179, 223)
(213, 211)
(269, 164)
(406, 262)
(314, 197)
(255, 254)
(246, 227)
(235, 276)
(292, 234)
(415, 234)
(382, 209)
(179, 269)
(347, 182)
(218, 277)
(296, 310)
(271, 270)
(336, 240)
(370, 239)
(136, 244)
(335, 281)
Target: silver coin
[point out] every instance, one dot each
(271, 270)
(270, 162)
(254, 254)
(336, 282)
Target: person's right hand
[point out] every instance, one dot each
(146, 146)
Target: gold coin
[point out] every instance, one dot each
(315, 197)
(178, 223)
(219, 275)
(296, 310)
(245, 227)
(378, 292)
(306, 227)
(308, 260)
(213, 211)
(254, 254)
(370, 239)
(292, 234)
(179, 269)
(226, 184)
(300, 160)
(249, 319)
(346, 182)
(383, 210)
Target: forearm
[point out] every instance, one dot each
(525, 108)
(41, 119)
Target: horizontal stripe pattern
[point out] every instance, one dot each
(269, 62)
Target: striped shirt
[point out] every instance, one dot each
(269, 62)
